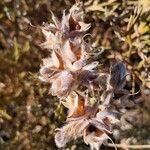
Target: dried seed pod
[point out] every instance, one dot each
(76, 105)
(64, 68)
(71, 26)
(91, 122)
(62, 83)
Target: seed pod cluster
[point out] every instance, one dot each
(67, 68)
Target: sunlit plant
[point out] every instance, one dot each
(92, 111)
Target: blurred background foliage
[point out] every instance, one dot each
(29, 115)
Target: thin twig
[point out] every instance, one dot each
(129, 146)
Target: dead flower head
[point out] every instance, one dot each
(90, 122)
(64, 68)
(71, 26)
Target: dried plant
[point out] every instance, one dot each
(29, 115)
(68, 68)
(91, 122)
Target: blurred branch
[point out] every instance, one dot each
(130, 146)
